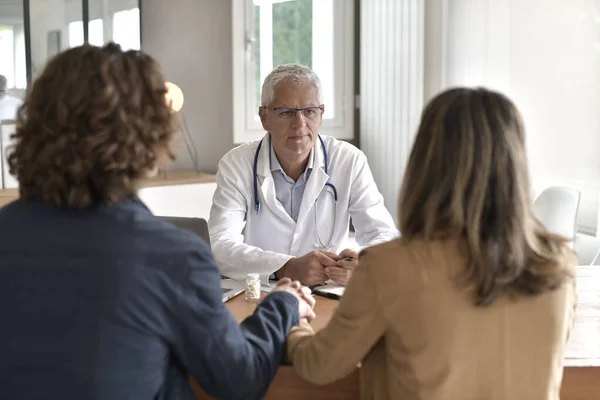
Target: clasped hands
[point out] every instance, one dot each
(306, 302)
(319, 266)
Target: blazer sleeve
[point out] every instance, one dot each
(229, 361)
(226, 223)
(356, 325)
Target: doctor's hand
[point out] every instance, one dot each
(306, 302)
(310, 268)
(341, 273)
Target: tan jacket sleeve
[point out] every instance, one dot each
(356, 325)
(572, 308)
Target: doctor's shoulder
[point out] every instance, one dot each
(341, 149)
(239, 159)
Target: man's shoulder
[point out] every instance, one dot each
(237, 161)
(342, 151)
(336, 145)
(243, 151)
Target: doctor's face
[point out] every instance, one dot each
(294, 132)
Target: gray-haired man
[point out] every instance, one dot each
(283, 204)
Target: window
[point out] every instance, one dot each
(96, 32)
(7, 49)
(126, 29)
(316, 33)
(12, 62)
(76, 34)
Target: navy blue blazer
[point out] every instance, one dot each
(111, 303)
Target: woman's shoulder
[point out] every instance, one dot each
(383, 250)
(410, 265)
(401, 248)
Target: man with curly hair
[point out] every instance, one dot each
(100, 299)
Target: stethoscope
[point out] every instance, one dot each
(331, 185)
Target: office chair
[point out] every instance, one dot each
(557, 208)
(197, 225)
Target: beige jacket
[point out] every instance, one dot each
(419, 335)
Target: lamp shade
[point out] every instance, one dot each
(174, 96)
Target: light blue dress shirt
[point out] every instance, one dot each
(288, 192)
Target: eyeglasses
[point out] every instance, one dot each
(311, 113)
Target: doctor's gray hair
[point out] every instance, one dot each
(296, 73)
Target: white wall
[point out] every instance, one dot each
(555, 67)
(11, 11)
(192, 200)
(391, 90)
(192, 40)
(50, 15)
(545, 55)
(46, 16)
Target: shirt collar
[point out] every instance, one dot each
(276, 166)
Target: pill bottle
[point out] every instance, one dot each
(252, 287)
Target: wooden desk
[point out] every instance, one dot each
(8, 195)
(581, 379)
(176, 177)
(287, 384)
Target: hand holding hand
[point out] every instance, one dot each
(305, 301)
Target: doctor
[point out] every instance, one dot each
(283, 204)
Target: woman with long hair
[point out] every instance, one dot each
(476, 299)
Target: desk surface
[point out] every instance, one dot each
(324, 308)
(178, 177)
(581, 379)
(584, 343)
(168, 178)
(287, 384)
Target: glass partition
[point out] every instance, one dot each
(12, 49)
(115, 20)
(33, 31)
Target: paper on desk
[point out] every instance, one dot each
(333, 288)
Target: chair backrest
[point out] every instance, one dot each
(197, 225)
(557, 209)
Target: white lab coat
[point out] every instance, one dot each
(244, 241)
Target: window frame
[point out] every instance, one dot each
(17, 28)
(245, 127)
(128, 11)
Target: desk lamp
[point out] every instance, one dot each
(174, 97)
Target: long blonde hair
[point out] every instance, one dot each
(467, 178)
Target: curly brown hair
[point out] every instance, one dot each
(93, 124)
